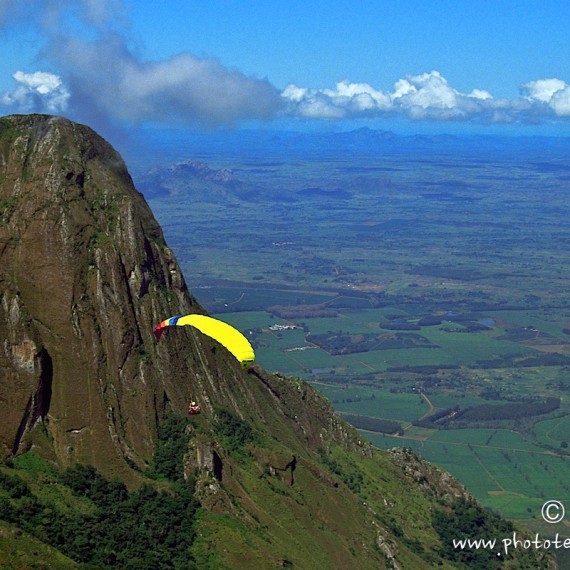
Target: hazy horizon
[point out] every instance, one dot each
(409, 66)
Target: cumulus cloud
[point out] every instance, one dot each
(544, 89)
(554, 92)
(101, 80)
(429, 96)
(560, 102)
(36, 92)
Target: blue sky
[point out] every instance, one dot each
(440, 65)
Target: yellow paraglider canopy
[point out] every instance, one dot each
(225, 334)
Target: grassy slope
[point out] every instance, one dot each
(350, 506)
(20, 551)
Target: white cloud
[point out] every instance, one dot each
(543, 89)
(364, 96)
(429, 96)
(480, 94)
(344, 100)
(43, 83)
(427, 90)
(554, 92)
(421, 96)
(294, 94)
(560, 102)
(36, 92)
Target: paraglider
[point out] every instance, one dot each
(225, 334)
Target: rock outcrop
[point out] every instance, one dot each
(84, 275)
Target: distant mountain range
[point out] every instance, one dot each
(362, 140)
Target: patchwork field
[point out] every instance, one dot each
(422, 286)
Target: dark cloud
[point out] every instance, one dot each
(106, 79)
(105, 82)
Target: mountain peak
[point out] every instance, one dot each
(85, 274)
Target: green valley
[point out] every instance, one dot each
(422, 283)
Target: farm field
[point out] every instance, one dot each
(512, 467)
(420, 285)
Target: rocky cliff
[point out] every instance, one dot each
(84, 276)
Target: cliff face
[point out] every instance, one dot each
(85, 274)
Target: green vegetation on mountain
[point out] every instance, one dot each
(97, 522)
